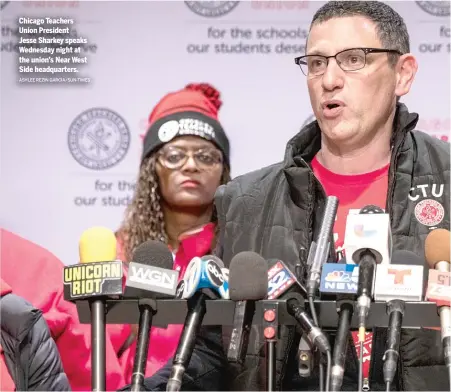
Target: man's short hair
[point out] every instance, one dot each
(390, 26)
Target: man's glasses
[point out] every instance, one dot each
(348, 60)
(174, 158)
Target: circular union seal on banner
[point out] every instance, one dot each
(436, 8)
(3, 4)
(309, 119)
(211, 9)
(429, 212)
(98, 138)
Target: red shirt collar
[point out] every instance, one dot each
(194, 243)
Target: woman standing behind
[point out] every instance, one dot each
(185, 158)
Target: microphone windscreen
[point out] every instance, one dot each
(437, 247)
(97, 244)
(248, 277)
(154, 253)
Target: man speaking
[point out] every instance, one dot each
(363, 149)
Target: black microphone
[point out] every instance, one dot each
(345, 299)
(296, 307)
(283, 284)
(400, 281)
(248, 282)
(368, 254)
(280, 280)
(345, 307)
(150, 277)
(204, 280)
(367, 242)
(367, 270)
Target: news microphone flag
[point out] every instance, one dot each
(368, 231)
(280, 279)
(224, 289)
(149, 279)
(99, 274)
(339, 278)
(401, 282)
(439, 288)
(203, 273)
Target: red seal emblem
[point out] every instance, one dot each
(429, 212)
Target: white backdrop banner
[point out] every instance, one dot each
(71, 140)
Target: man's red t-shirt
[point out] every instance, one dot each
(353, 192)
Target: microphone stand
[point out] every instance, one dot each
(305, 357)
(147, 307)
(271, 364)
(239, 340)
(197, 308)
(346, 310)
(98, 345)
(395, 311)
(270, 332)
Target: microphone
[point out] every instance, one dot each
(150, 273)
(248, 282)
(322, 246)
(367, 243)
(97, 247)
(400, 281)
(150, 277)
(203, 279)
(369, 229)
(437, 251)
(340, 279)
(280, 281)
(99, 274)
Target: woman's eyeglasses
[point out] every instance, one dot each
(175, 157)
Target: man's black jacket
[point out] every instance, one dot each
(31, 355)
(276, 212)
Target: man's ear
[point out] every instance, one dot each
(406, 69)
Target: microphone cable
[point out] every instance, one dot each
(329, 365)
(328, 353)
